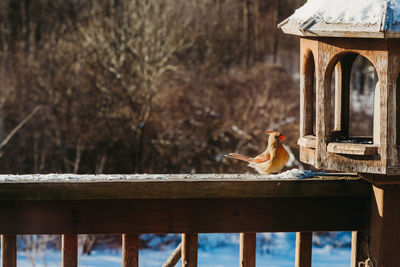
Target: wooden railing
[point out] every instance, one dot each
(190, 204)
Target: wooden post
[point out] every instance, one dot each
(346, 64)
(359, 248)
(385, 230)
(377, 114)
(130, 250)
(248, 250)
(8, 251)
(69, 250)
(397, 110)
(189, 250)
(337, 107)
(303, 249)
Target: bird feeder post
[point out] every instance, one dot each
(385, 221)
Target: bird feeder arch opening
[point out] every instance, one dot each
(342, 91)
(337, 57)
(308, 96)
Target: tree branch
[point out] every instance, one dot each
(19, 126)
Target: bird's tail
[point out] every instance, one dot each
(238, 156)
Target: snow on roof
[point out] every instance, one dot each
(350, 18)
(346, 11)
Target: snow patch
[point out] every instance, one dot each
(295, 173)
(82, 178)
(362, 12)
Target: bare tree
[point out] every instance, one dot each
(35, 246)
(131, 49)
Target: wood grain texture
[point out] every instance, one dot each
(189, 250)
(359, 248)
(69, 248)
(352, 149)
(384, 54)
(175, 187)
(394, 104)
(8, 251)
(381, 179)
(339, 97)
(308, 141)
(247, 256)
(377, 112)
(351, 30)
(307, 155)
(130, 250)
(307, 95)
(385, 219)
(230, 215)
(343, 50)
(303, 254)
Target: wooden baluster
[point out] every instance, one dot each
(69, 250)
(248, 249)
(359, 248)
(130, 250)
(189, 250)
(303, 249)
(8, 251)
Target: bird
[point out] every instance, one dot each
(272, 160)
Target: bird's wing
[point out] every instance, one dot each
(262, 158)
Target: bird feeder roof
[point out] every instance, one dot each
(345, 18)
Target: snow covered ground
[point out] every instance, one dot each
(218, 250)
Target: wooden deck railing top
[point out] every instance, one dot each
(204, 203)
(175, 186)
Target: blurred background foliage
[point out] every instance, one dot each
(154, 86)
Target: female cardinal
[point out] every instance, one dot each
(272, 160)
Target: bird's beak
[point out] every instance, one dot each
(270, 132)
(281, 137)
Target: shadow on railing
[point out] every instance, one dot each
(134, 204)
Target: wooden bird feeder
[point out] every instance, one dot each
(329, 46)
(333, 36)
